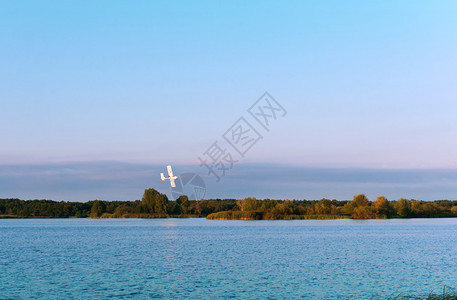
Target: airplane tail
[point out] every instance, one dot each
(162, 177)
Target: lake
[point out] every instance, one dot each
(196, 258)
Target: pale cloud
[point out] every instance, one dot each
(109, 180)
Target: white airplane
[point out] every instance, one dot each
(170, 176)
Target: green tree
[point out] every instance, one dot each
(154, 202)
(454, 210)
(323, 207)
(267, 204)
(403, 207)
(183, 203)
(363, 212)
(247, 204)
(383, 207)
(98, 207)
(360, 200)
(122, 210)
(199, 207)
(429, 209)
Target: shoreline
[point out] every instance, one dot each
(156, 205)
(288, 218)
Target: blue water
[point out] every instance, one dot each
(196, 258)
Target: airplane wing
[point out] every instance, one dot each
(172, 181)
(170, 172)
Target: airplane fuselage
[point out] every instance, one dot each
(170, 177)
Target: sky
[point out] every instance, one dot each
(97, 97)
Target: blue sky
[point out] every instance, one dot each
(366, 85)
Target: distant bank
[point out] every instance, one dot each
(156, 205)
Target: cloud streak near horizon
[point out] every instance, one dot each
(86, 181)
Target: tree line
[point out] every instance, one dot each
(358, 208)
(156, 205)
(152, 205)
